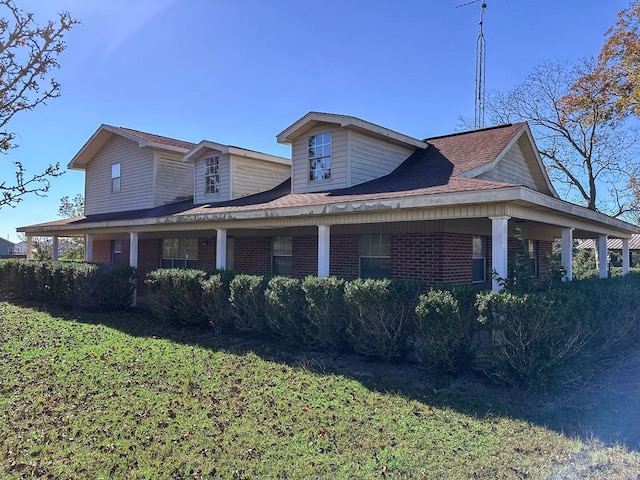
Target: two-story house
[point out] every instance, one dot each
(356, 199)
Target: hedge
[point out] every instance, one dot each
(67, 284)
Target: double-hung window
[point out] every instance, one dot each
(319, 150)
(212, 174)
(479, 260)
(375, 256)
(179, 253)
(282, 254)
(533, 257)
(115, 178)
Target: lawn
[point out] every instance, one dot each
(120, 396)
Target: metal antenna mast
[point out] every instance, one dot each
(481, 49)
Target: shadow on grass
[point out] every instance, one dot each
(606, 409)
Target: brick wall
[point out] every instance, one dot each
(305, 256)
(149, 255)
(344, 260)
(253, 255)
(101, 251)
(207, 252)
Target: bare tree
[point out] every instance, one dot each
(586, 147)
(71, 207)
(28, 54)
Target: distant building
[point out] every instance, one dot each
(7, 247)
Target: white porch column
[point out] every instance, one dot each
(29, 247)
(567, 253)
(626, 261)
(133, 262)
(499, 245)
(602, 255)
(133, 249)
(88, 247)
(221, 249)
(54, 247)
(324, 249)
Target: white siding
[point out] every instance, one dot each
(199, 195)
(512, 168)
(174, 178)
(136, 178)
(372, 158)
(249, 176)
(300, 162)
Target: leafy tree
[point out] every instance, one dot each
(28, 54)
(73, 207)
(586, 148)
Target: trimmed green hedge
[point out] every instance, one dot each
(67, 284)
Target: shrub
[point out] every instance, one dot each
(379, 313)
(284, 309)
(445, 327)
(101, 287)
(246, 296)
(535, 338)
(215, 300)
(177, 295)
(325, 309)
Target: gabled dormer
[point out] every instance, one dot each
(224, 172)
(331, 151)
(128, 169)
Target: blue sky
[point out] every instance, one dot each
(240, 71)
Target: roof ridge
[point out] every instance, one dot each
(466, 132)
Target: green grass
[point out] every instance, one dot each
(118, 396)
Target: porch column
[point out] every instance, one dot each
(133, 249)
(54, 247)
(602, 255)
(221, 249)
(626, 260)
(88, 247)
(324, 248)
(29, 247)
(567, 253)
(499, 246)
(133, 262)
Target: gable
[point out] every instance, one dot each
(511, 168)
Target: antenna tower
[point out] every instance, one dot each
(481, 50)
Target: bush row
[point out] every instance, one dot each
(531, 339)
(371, 317)
(70, 285)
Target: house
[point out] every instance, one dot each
(356, 199)
(20, 248)
(7, 248)
(616, 245)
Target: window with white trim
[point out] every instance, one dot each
(319, 150)
(179, 253)
(533, 257)
(212, 174)
(375, 256)
(115, 178)
(479, 260)
(281, 255)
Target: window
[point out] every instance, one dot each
(117, 246)
(479, 260)
(375, 256)
(115, 177)
(533, 257)
(179, 253)
(320, 156)
(212, 174)
(282, 253)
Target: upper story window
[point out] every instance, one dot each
(115, 177)
(479, 260)
(375, 256)
(320, 156)
(282, 254)
(212, 174)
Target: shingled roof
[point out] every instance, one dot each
(150, 137)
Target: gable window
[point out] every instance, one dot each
(375, 256)
(179, 253)
(115, 178)
(282, 254)
(212, 174)
(533, 257)
(319, 148)
(479, 260)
